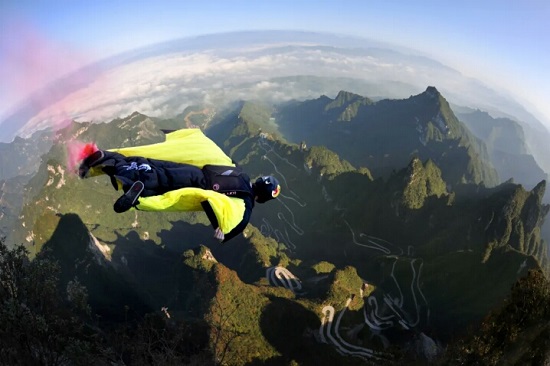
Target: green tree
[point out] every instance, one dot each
(37, 326)
(515, 334)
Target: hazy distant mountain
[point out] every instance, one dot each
(406, 248)
(22, 156)
(507, 146)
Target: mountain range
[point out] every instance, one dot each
(397, 228)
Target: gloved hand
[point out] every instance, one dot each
(218, 234)
(83, 170)
(89, 162)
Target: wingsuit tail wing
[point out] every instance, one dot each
(188, 146)
(228, 210)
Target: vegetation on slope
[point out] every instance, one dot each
(517, 333)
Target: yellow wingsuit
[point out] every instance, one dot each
(189, 146)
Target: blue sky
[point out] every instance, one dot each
(500, 41)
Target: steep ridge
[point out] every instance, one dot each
(385, 135)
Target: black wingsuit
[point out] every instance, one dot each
(159, 177)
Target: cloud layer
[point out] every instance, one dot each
(163, 85)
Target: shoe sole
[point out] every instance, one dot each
(129, 198)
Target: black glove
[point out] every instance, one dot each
(89, 162)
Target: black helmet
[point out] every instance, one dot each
(266, 188)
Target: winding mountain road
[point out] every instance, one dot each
(342, 345)
(399, 306)
(280, 276)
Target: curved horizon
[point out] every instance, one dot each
(500, 43)
(229, 47)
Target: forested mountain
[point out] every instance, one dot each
(392, 236)
(385, 135)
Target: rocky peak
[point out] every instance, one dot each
(421, 181)
(347, 105)
(347, 97)
(539, 190)
(432, 92)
